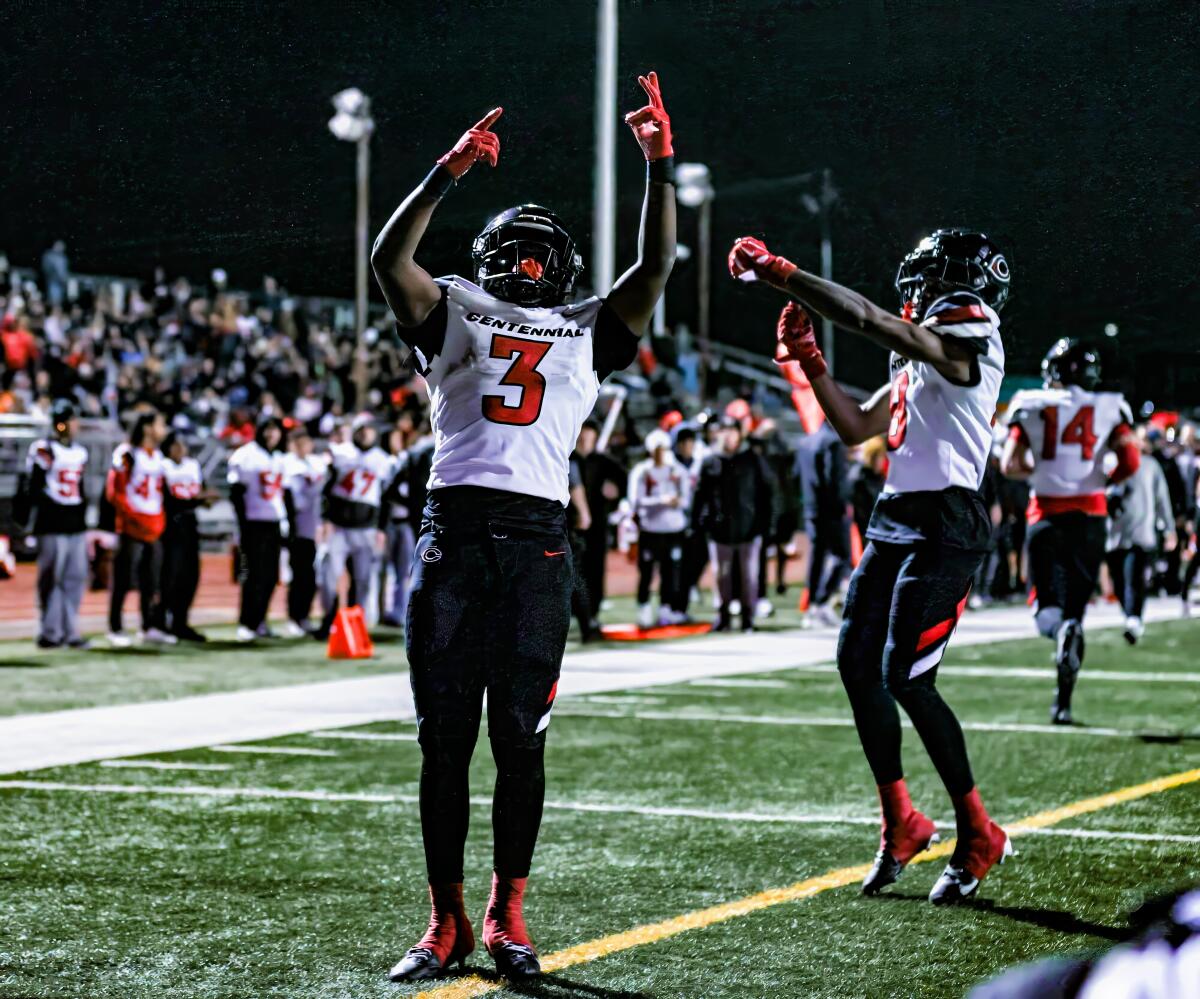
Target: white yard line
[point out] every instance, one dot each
(622, 699)
(162, 765)
(1027, 673)
(361, 797)
(816, 722)
(61, 738)
(367, 736)
(774, 684)
(272, 750)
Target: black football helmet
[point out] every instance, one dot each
(526, 256)
(1071, 362)
(62, 411)
(950, 260)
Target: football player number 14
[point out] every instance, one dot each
(526, 355)
(1078, 431)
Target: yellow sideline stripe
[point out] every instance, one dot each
(593, 950)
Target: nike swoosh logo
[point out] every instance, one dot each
(552, 554)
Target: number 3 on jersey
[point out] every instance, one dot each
(526, 356)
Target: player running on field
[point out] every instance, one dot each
(929, 529)
(1059, 437)
(513, 368)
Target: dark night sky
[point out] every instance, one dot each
(194, 134)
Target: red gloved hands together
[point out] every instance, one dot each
(750, 260)
(797, 341)
(651, 125)
(477, 143)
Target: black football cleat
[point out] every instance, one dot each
(968, 866)
(420, 964)
(885, 871)
(905, 843)
(1068, 659)
(516, 961)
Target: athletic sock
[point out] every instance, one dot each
(449, 928)
(980, 839)
(904, 830)
(504, 921)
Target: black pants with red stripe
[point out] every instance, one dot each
(489, 611)
(903, 603)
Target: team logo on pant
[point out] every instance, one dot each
(431, 554)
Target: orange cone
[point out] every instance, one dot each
(348, 638)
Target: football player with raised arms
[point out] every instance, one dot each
(513, 366)
(929, 529)
(1058, 439)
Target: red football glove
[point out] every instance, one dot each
(651, 124)
(797, 341)
(477, 143)
(750, 260)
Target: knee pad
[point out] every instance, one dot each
(1049, 619)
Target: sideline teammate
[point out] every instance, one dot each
(52, 488)
(1058, 438)
(514, 369)
(929, 530)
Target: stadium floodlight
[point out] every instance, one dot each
(694, 189)
(1110, 329)
(821, 207)
(352, 122)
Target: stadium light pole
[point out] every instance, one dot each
(352, 122)
(694, 189)
(822, 207)
(604, 205)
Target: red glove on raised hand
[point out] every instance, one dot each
(651, 124)
(750, 260)
(797, 341)
(477, 143)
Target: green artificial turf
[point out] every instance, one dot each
(184, 895)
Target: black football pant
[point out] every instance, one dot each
(302, 557)
(489, 612)
(137, 566)
(581, 600)
(1128, 568)
(1065, 552)
(902, 606)
(261, 544)
(180, 574)
(665, 550)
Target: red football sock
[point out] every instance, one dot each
(504, 921)
(969, 813)
(905, 831)
(980, 840)
(449, 928)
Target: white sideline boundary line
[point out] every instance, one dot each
(735, 682)
(272, 750)
(42, 740)
(365, 736)
(809, 722)
(362, 797)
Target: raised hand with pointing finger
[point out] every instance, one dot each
(477, 143)
(651, 124)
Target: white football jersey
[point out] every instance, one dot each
(651, 486)
(183, 478)
(144, 490)
(261, 472)
(305, 478)
(64, 465)
(941, 432)
(1068, 430)
(359, 476)
(508, 391)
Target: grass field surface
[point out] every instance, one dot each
(298, 872)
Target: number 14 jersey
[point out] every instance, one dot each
(510, 386)
(1068, 431)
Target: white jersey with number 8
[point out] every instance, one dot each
(1068, 431)
(941, 430)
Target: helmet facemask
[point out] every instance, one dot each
(930, 272)
(528, 260)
